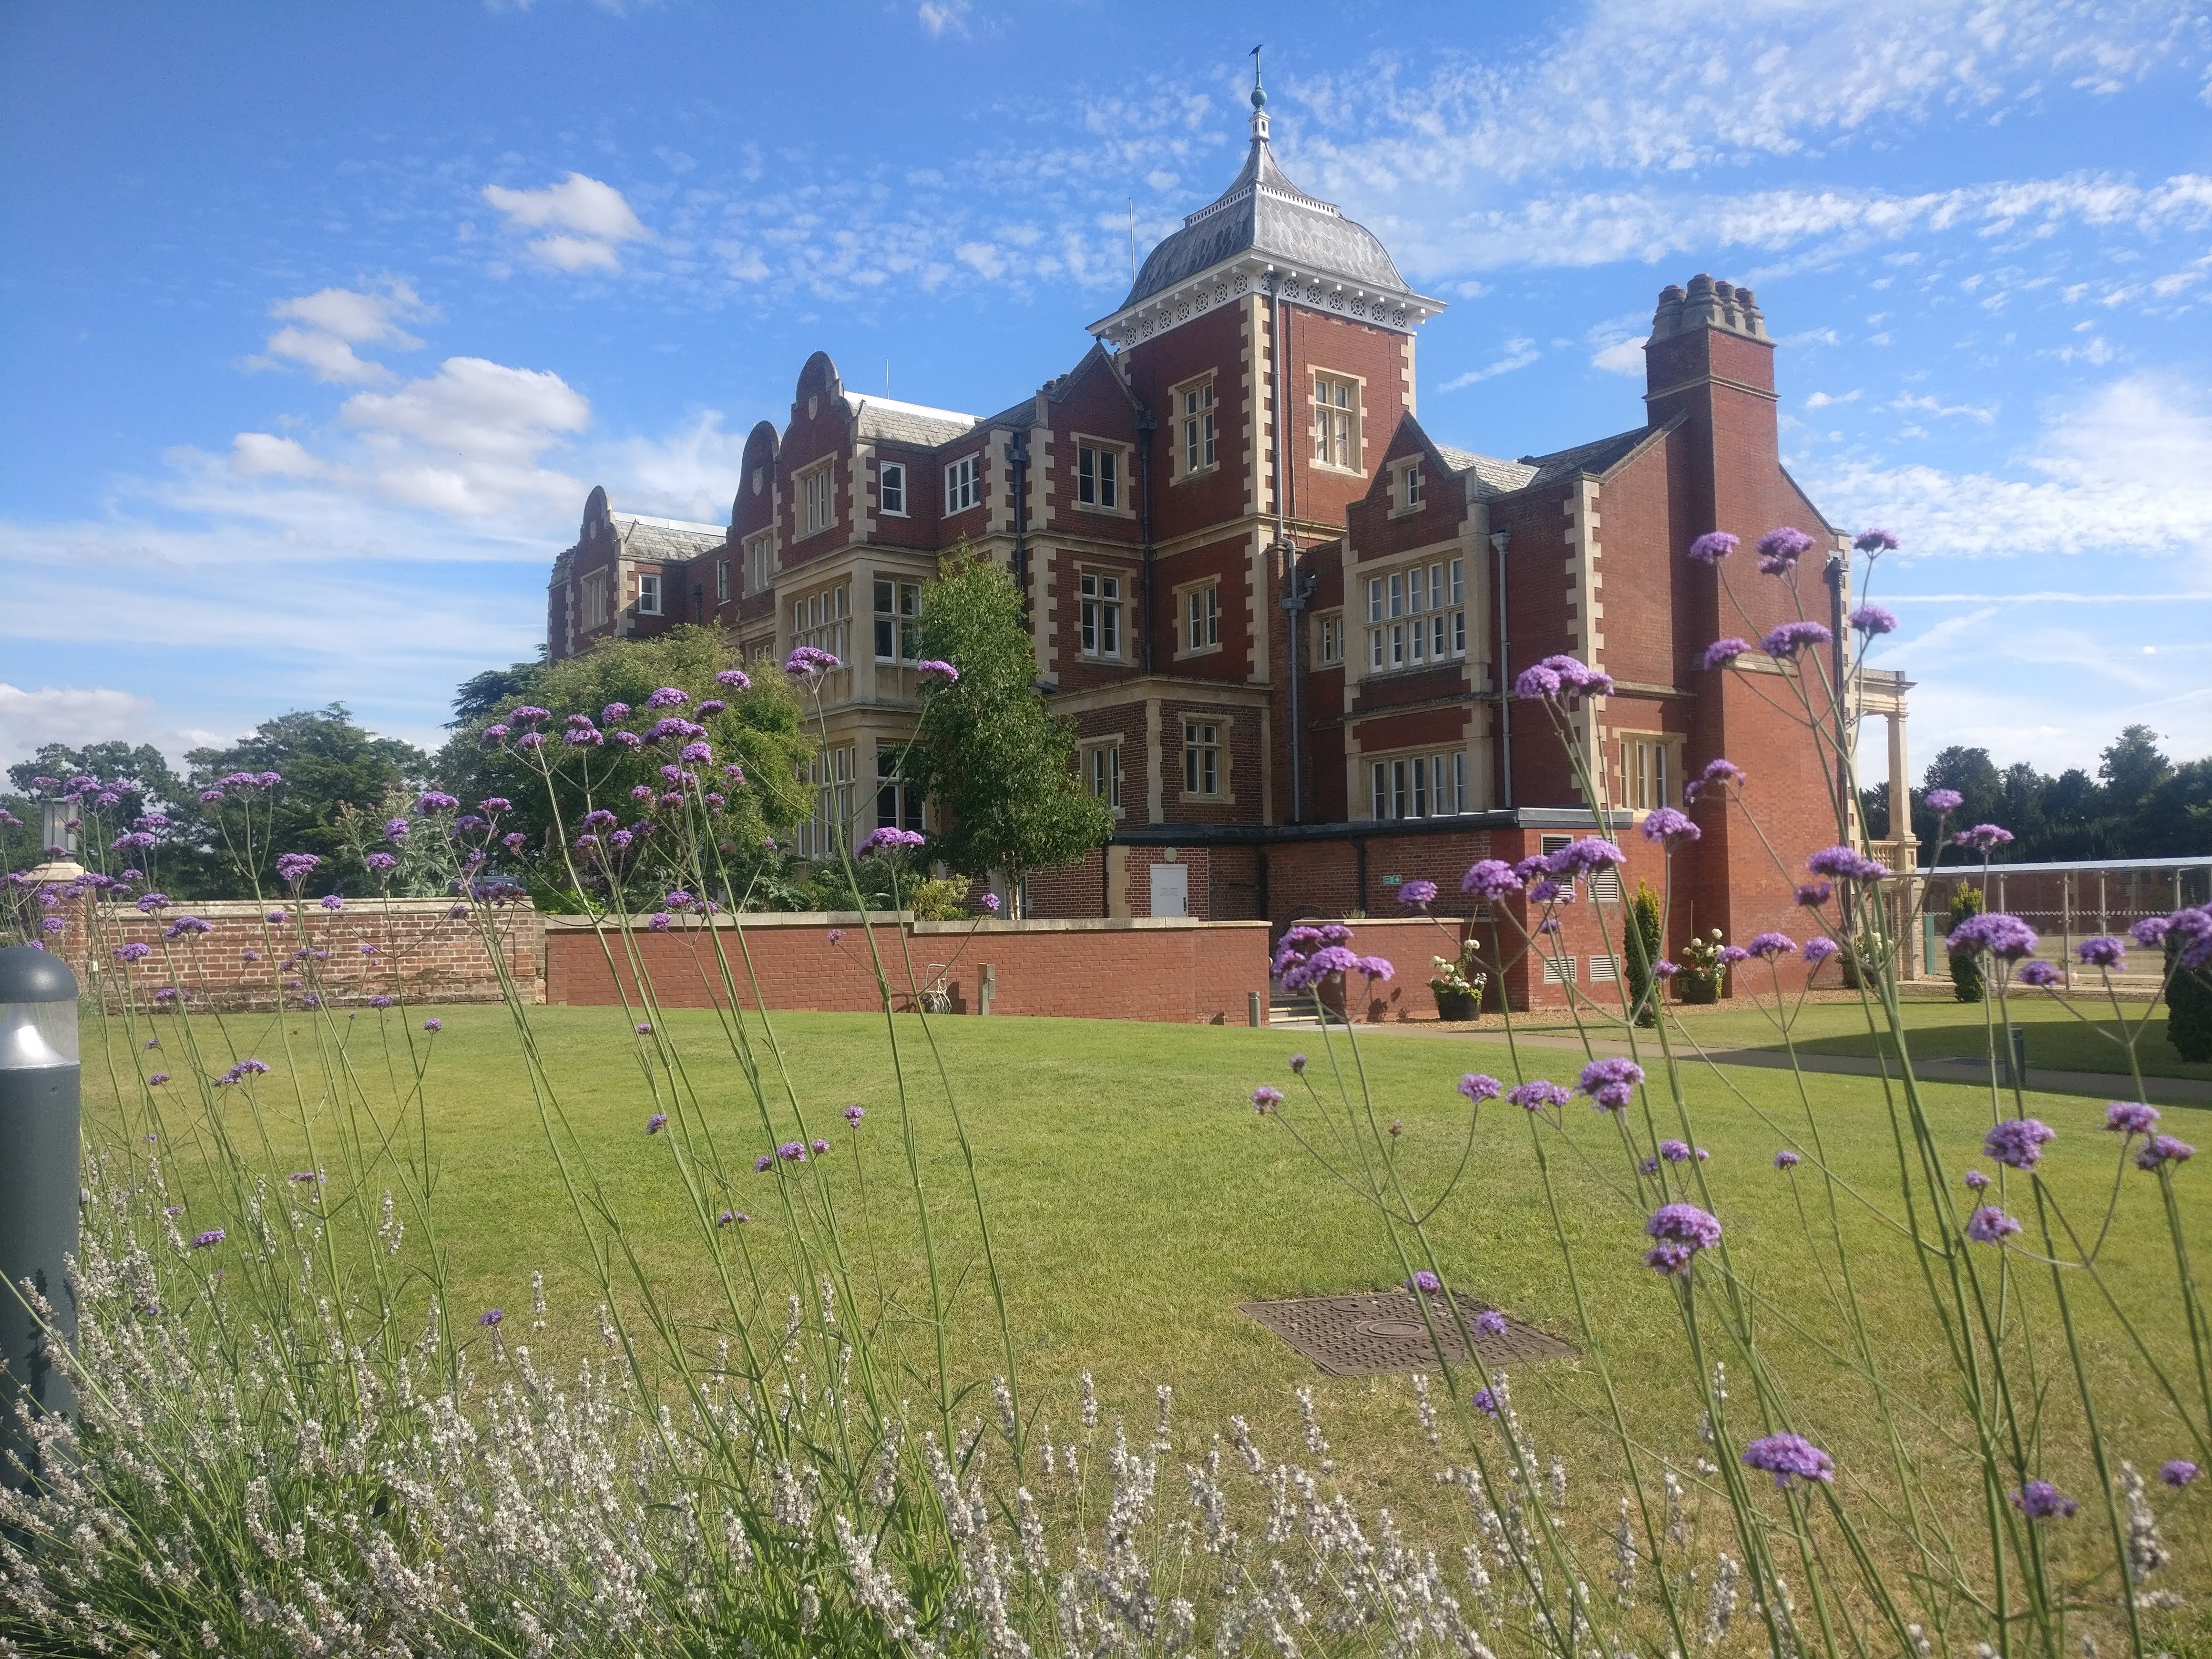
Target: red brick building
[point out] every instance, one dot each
(1284, 618)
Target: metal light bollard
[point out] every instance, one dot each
(39, 1191)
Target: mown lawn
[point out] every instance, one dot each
(2056, 1039)
(1135, 1198)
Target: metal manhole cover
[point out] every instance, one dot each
(1382, 1331)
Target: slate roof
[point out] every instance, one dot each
(911, 423)
(1492, 477)
(1600, 456)
(1263, 212)
(665, 538)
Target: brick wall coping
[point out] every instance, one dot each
(233, 909)
(759, 920)
(1253, 835)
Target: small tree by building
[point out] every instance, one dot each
(997, 764)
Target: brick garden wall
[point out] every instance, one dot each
(1173, 972)
(418, 952)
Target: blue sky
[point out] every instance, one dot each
(317, 323)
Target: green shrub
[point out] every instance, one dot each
(1645, 934)
(1966, 970)
(2187, 1009)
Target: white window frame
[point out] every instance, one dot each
(1650, 770)
(817, 498)
(722, 582)
(829, 775)
(1102, 772)
(1099, 614)
(1406, 488)
(1335, 413)
(1201, 759)
(1198, 622)
(1102, 476)
(890, 488)
(1329, 640)
(1417, 616)
(1430, 783)
(963, 485)
(648, 594)
(759, 561)
(897, 616)
(897, 806)
(592, 600)
(1197, 436)
(823, 619)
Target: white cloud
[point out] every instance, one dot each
(1979, 412)
(1520, 352)
(323, 328)
(1826, 399)
(2126, 469)
(30, 720)
(263, 455)
(1621, 357)
(469, 439)
(942, 17)
(589, 221)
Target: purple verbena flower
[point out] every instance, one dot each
(1876, 540)
(1818, 950)
(435, 800)
(937, 668)
(434, 1025)
(1535, 1096)
(1490, 1323)
(1872, 619)
(2103, 951)
(2177, 1472)
(656, 1123)
(2006, 938)
(1767, 946)
(1681, 1231)
(1668, 823)
(808, 661)
(1713, 546)
(1779, 549)
(1976, 1181)
(2018, 1142)
(1792, 637)
(668, 696)
(1264, 1099)
(736, 678)
(888, 840)
(134, 951)
(1610, 1083)
(1786, 1160)
(1417, 892)
(2164, 1149)
(1374, 968)
(1676, 1151)
(208, 1240)
(1423, 1279)
(1479, 1087)
(1729, 955)
(1298, 1065)
(1723, 652)
(2041, 975)
(1944, 800)
(2038, 1500)
(1982, 837)
(792, 1152)
(1788, 1456)
(1990, 1225)
(852, 1115)
(1846, 864)
(2130, 1117)
(1486, 1402)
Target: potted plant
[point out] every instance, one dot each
(1702, 968)
(1458, 984)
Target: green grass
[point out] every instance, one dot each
(2056, 1039)
(1135, 1199)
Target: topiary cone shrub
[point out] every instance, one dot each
(1966, 970)
(2188, 1008)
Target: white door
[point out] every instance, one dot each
(1171, 889)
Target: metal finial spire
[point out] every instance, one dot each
(1258, 92)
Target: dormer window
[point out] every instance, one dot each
(1406, 487)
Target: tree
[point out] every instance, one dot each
(2131, 767)
(997, 762)
(147, 789)
(757, 729)
(1646, 933)
(327, 762)
(480, 694)
(1967, 984)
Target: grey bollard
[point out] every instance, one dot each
(986, 987)
(39, 1175)
(1252, 1010)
